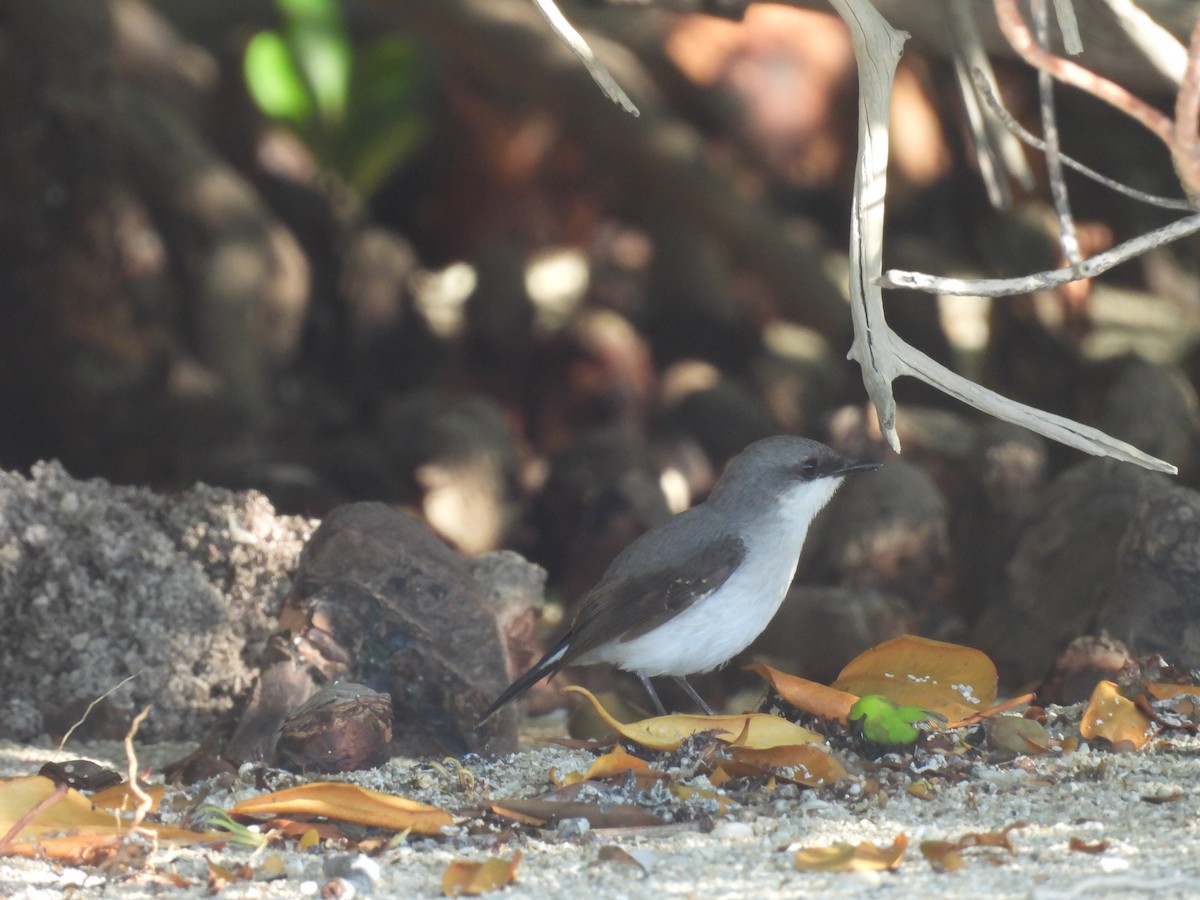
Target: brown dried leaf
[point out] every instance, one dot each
(1079, 845)
(810, 696)
(862, 857)
(610, 815)
(348, 803)
(474, 878)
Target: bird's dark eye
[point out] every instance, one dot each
(807, 469)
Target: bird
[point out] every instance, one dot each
(693, 592)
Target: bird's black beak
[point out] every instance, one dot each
(856, 465)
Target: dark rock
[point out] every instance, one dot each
(719, 413)
(457, 461)
(341, 728)
(515, 590)
(1153, 601)
(820, 629)
(1084, 663)
(600, 494)
(1154, 408)
(1063, 562)
(378, 599)
(885, 531)
(1003, 487)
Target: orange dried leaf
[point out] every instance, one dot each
(810, 766)
(810, 696)
(862, 857)
(348, 803)
(121, 799)
(474, 878)
(1079, 845)
(755, 730)
(953, 681)
(1114, 718)
(945, 855)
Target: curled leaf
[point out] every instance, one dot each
(862, 857)
(810, 696)
(348, 803)
(463, 878)
(754, 730)
(1115, 718)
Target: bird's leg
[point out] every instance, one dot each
(691, 692)
(645, 680)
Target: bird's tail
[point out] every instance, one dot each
(547, 665)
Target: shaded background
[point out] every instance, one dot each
(406, 251)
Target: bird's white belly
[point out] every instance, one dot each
(713, 629)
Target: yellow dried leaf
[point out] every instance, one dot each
(475, 878)
(348, 803)
(810, 696)
(618, 762)
(862, 857)
(121, 799)
(754, 730)
(1114, 718)
(948, 679)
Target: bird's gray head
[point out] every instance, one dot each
(770, 471)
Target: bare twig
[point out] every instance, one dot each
(1159, 47)
(1015, 127)
(1186, 150)
(60, 791)
(87, 712)
(1180, 139)
(1064, 13)
(573, 39)
(1068, 239)
(1013, 25)
(997, 152)
(1089, 268)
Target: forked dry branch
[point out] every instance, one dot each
(884, 356)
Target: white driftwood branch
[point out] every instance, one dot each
(1158, 46)
(882, 355)
(573, 39)
(1042, 281)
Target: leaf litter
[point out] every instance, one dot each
(705, 793)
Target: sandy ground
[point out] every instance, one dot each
(1153, 847)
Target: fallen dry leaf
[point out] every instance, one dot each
(80, 829)
(754, 730)
(608, 815)
(1114, 718)
(862, 857)
(953, 681)
(947, 855)
(1079, 845)
(474, 878)
(810, 696)
(809, 766)
(618, 762)
(348, 803)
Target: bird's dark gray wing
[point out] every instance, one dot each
(623, 607)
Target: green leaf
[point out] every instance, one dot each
(275, 81)
(883, 722)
